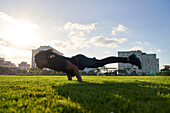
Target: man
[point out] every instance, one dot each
(71, 66)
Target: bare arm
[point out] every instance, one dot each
(69, 77)
(75, 69)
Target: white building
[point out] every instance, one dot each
(150, 63)
(33, 64)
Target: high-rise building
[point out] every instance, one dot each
(150, 63)
(33, 64)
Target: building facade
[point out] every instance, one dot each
(150, 63)
(24, 66)
(33, 64)
(8, 64)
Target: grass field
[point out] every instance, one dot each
(97, 94)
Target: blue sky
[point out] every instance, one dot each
(91, 27)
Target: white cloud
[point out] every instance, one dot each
(159, 50)
(143, 43)
(60, 44)
(119, 28)
(107, 52)
(17, 38)
(77, 37)
(120, 40)
(76, 26)
(146, 47)
(107, 42)
(151, 50)
(17, 33)
(137, 48)
(77, 34)
(15, 55)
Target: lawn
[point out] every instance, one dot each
(97, 94)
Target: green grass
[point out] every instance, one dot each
(97, 94)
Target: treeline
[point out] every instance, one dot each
(37, 71)
(32, 71)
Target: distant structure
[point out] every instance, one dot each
(24, 66)
(166, 67)
(8, 64)
(150, 63)
(33, 64)
(105, 69)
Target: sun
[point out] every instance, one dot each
(21, 33)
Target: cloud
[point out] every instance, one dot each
(159, 50)
(137, 48)
(107, 51)
(3, 42)
(17, 38)
(146, 47)
(107, 42)
(119, 28)
(76, 26)
(141, 46)
(151, 50)
(76, 41)
(59, 44)
(15, 55)
(120, 40)
(143, 43)
(77, 34)
(62, 45)
(17, 33)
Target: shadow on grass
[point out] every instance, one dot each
(117, 96)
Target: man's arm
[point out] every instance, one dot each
(75, 69)
(69, 77)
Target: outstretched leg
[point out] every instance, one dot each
(99, 63)
(94, 63)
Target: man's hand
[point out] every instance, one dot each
(69, 77)
(75, 69)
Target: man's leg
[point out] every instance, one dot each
(132, 59)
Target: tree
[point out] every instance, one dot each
(167, 72)
(35, 71)
(122, 71)
(91, 72)
(143, 73)
(83, 73)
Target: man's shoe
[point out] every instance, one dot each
(132, 59)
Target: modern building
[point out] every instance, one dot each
(8, 64)
(33, 64)
(150, 63)
(24, 66)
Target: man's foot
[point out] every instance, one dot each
(134, 61)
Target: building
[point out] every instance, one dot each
(8, 64)
(150, 63)
(33, 64)
(24, 66)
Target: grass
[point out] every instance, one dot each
(97, 94)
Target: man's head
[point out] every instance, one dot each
(41, 59)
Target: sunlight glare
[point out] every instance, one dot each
(21, 33)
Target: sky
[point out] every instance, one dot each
(95, 28)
